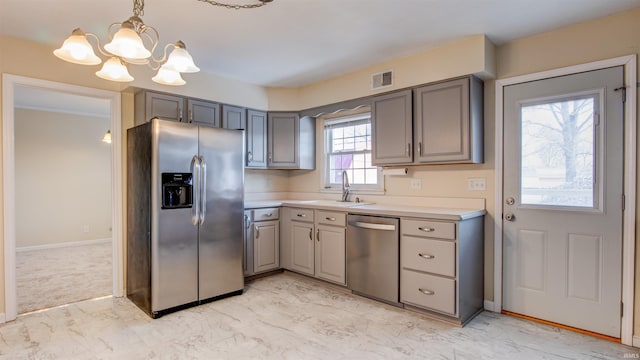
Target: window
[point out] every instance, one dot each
(348, 148)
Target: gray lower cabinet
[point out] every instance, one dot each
(150, 104)
(440, 123)
(317, 244)
(291, 141)
(266, 240)
(203, 112)
(442, 268)
(234, 117)
(256, 139)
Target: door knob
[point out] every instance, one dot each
(510, 201)
(509, 217)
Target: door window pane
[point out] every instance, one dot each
(558, 157)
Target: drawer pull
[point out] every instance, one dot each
(426, 292)
(330, 218)
(301, 215)
(428, 229)
(268, 215)
(427, 256)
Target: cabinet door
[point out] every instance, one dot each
(391, 120)
(302, 248)
(163, 106)
(442, 122)
(204, 113)
(283, 141)
(331, 254)
(233, 117)
(256, 139)
(266, 246)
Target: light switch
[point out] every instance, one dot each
(476, 184)
(416, 184)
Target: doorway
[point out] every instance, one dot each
(12, 85)
(562, 265)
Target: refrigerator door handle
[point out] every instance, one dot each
(195, 209)
(203, 189)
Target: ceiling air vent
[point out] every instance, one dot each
(382, 80)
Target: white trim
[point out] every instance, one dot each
(63, 245)
(489, 305)
(9, 82)
(3, 318)
(636, 341)
(628, 255)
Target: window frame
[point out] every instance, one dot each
(326, 185)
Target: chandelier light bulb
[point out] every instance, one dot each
(180, 60)
(77, 49)
(127, 43)
(167, 76)
(114, 70)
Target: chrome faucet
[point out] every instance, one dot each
(345, 186)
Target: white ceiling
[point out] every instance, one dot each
(297, 42)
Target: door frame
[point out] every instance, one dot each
(629, 214)
(9, 83)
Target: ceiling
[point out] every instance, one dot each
(296, 42)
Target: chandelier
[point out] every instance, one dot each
(130, 42)
(237, 6)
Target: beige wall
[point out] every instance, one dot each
(63, 178)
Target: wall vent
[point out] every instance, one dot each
(382, 79)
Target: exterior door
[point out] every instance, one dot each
(563, 193)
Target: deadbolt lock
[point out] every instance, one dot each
(510, 201)
(509, 217)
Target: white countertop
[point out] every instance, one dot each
(373, 209)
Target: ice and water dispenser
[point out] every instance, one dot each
(177, 190)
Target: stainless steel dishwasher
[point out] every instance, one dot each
(373, 257)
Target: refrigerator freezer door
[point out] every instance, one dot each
(221, 229)
(174, 238)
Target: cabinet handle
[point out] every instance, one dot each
(408, 150)
(249, 156)
(318, 235)
(190, 116)
(330, 218)
(427, 229)
(301, 215)
(180, 114)
(311, 234)
(427, 256)
(270, 157)
(420, 148)
(268, 215)
(426, 292)
(257, 231)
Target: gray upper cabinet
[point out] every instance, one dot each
(203, 112)
(256, 139)
(149, 104)
(391, 118)
(234, 117)
(448, 122)
(291, 141)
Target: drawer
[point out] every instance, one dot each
(433, 256)
(331, 218)
(266, 214)
(428, 291)
(429, 228)
(305, 215)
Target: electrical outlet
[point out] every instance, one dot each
(85, 228)
(416, 184)
(476, 184)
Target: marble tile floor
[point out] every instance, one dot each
(51, 277)
(286, 316)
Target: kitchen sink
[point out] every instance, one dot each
(332, 203)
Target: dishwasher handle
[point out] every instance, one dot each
(372, 226)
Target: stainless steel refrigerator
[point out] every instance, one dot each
(185, 192)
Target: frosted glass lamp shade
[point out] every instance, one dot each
(76, 49)
(181, 61)
(107, 137)
(114, 70)
(127, 44)
(167, 76)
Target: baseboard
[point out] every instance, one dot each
(64, 244)
(636, 341)
(3, 319)
(489, 306)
